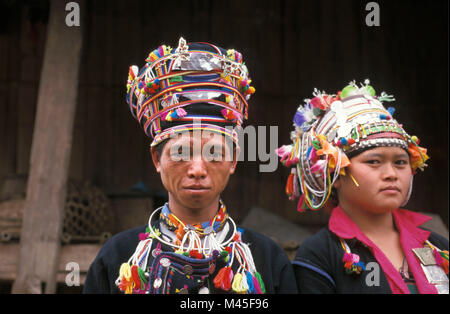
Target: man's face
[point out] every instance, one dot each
(195, 168)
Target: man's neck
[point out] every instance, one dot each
(193, 215)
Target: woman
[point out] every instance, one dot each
(349, 153)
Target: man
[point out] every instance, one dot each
(189, 100)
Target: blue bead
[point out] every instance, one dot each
(391, 110)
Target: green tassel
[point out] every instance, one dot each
(142, 276)
(261, 283)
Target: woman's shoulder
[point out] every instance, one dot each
(438, 240)
(318, 247)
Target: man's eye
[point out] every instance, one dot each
(179, 152)
(215, 153)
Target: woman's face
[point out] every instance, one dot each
(383, 175)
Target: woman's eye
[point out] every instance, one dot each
(372, 161)
(402, 162)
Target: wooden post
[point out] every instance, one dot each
(50, 155)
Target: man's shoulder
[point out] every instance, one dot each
(128, 234)
(262, 245)
(123, 243)
(251, 236)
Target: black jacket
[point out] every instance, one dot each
(271, 262)
(318, 266)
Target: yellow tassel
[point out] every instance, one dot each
(125, 271)
(125, 278)
(236, 286)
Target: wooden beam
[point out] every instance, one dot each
(50, 156)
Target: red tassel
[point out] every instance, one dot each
(227, 279)
(135, 276)
(224, 278)
(195, 254)
(301, 206)
(219, 278)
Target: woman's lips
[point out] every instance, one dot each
(390, 190)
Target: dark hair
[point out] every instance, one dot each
(159, 148)
(334, 195)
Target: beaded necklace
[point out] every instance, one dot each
(174, 224)
(195, 252)
(196, 242)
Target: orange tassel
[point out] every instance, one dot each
(290, 185)
(445, 266)
(180, 232)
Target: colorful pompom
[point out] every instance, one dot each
(352, 264)
(195, 254)
(229, 115)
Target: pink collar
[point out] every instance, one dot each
(411, 237)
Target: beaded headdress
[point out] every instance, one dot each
(329, 129)
(196, 86)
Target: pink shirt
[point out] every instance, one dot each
(411, 237)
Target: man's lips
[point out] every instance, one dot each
(196, 187)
